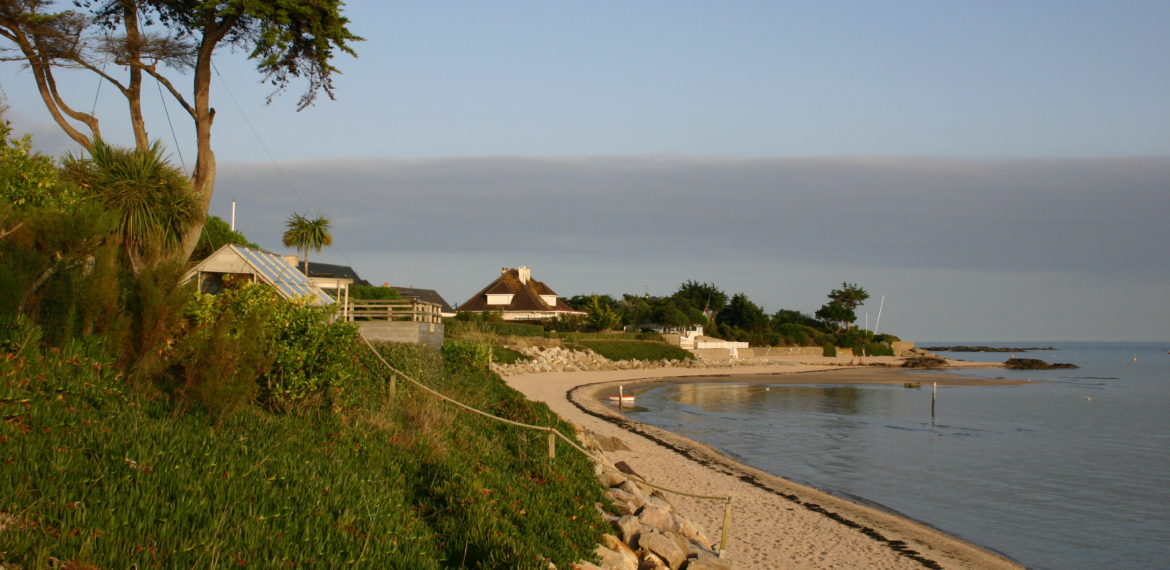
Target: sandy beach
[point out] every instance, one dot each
(775, 523)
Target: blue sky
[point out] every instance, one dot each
(775, 148)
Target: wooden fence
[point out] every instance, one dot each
(411, 310)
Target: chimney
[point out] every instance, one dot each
(524, 273)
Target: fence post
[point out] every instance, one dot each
(552, 444)
(726, 528)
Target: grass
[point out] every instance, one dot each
(635, 350)
(96, 473)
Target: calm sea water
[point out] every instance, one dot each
(1071, 470)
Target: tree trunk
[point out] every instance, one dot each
(203, 178)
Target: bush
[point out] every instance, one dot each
(372, 293)
(250, 341)
(829, 350)
(504, 355)
(461, 356)
(635, 350)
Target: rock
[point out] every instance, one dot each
(629, 528)
(610, 478)
(618, 445)
(650, 561)
(692, 532)
(1034, 364)
(707, 562)
(613, 543)
(585, 566)
(663, 547)
(636, 490)
(655, 517)
(614, 560)
(625, 468)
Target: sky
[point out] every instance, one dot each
(997, 171)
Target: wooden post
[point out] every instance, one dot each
(552, 444)
(933, 397)
(726, 528)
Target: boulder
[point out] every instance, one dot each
(652, 562)
(663, 547)
(613, 543)
(629, 528)
(656, 517)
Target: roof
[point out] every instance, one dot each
(330, 270)
(268, 267)
(525, 295)
(428, 295)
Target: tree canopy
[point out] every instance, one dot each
(306, 233)
(125, 41)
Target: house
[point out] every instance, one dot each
(519, 297)
(428, 295)
(233, 262)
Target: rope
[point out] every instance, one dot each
(548, 429)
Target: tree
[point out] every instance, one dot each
(151, 198)
(601, 314)
(743, 313)
(839, 311)
(703, 297)
(850, 295)
(288, 39)
(305, 234)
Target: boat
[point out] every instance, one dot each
(621, 398)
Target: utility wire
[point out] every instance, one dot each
(264, 147)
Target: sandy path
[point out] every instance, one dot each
(776, 523)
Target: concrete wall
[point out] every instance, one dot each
(430, 334)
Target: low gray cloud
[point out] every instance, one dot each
(1019, 249)
(1049, 215)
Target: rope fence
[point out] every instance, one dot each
(553, 434)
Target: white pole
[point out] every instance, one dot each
(233, 215)
(878, 324)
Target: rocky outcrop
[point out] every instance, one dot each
(1035, 364)
(648, 532)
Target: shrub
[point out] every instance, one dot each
(829, 350)
(461, 356)
(372, 293)
(635, 350)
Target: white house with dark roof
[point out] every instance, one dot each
(518, 297)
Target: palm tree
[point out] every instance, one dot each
(305, 234)
(152, 199)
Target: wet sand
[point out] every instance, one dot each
(775, 523)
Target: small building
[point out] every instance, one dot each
(518, 297)
(428, 295)
(232, 262)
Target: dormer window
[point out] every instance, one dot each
(550, 300)
(499, 298)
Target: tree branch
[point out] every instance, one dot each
(153, 72)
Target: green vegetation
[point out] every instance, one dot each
(307, 234)
(734, 318)
(635, 350)
(286, 40)
(373, 293)
(148, 425)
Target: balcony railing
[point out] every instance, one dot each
(410, 310)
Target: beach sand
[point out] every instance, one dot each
(775, 523)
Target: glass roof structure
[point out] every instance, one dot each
(278, 273)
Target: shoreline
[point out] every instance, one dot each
(775, 522)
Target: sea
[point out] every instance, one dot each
(1068, 470)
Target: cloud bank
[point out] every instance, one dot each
(625, 224)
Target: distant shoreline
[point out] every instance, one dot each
(965, 348)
